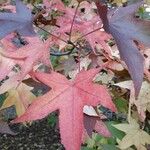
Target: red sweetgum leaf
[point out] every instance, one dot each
(69, 97)
(6, 66)
(53, 5)
(126, 28)
(21, 21)
(31, 54)
(82, 25)
(7, 42)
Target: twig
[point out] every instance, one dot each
(73, 21)
(87, 34)
(62, 53)
(52, 34)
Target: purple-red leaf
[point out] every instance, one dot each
(21, 21)
(5, 129)
(95, 123)
(126, 29)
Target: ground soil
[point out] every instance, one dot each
(39, 136)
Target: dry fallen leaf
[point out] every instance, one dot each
(143, 101)
(134, 136)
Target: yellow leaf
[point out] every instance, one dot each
(119, 2)
(20, 97)
(134, 136)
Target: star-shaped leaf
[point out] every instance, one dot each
(21, 21)
(69, 97)
(134, 135)
(29, 55)
(126, 29)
